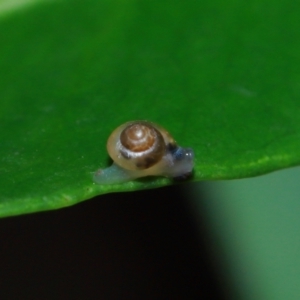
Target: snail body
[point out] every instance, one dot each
(142, 148)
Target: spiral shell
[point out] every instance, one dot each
(142, 148)
(136, 145)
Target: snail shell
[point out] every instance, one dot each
(142, 148)
(138, 145)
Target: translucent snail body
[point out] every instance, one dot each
(142, 148)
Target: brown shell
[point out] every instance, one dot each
(138, 145)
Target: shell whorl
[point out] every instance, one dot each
(138, 145)
(138, 137)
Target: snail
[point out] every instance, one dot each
(142, 148)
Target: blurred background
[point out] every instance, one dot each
(212, 240)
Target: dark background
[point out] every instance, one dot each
(140, 245)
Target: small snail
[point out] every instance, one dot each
(142, 148)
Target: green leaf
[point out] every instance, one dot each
(222, 77)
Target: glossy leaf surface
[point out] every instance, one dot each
(222, 77)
